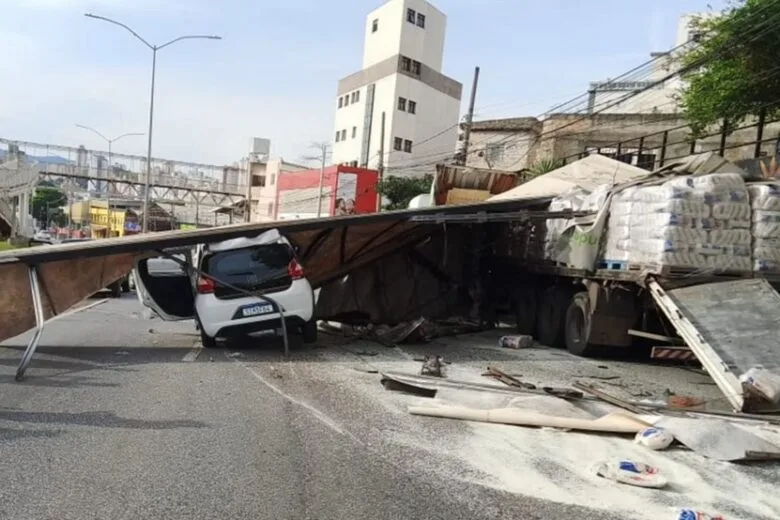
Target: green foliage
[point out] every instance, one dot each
(545, 165)
(401, 190)
(47, 205)
(732, 73)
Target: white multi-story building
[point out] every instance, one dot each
(402, 79)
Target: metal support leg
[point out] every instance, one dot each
(35, 290)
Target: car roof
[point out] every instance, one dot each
(272, 236)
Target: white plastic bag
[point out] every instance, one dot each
(654, 438)
(631, 473)
(763, 382)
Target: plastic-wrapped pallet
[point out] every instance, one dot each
(765, 201)
(693, 222)
(618, 237)
(576, 199)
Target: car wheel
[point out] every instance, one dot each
(310, 332)
(207, 341)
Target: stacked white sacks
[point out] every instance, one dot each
(765, 201)
(694, 222)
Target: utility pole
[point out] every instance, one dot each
(324, 149)
(469, 118)
(381, 164)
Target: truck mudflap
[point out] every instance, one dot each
(731, 326)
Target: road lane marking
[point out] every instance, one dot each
(193, 354)
(74, 311)
(324, 419)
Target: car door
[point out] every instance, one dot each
(164, 286)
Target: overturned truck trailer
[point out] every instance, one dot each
(381, 268)
(680, 261)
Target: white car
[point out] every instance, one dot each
(265, 265)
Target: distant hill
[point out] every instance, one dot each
(44, 159)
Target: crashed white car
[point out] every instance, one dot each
(265, 265)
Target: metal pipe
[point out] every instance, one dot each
(40, 321)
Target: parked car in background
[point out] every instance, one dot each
(265, 265)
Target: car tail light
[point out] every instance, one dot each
(295, 270)
(205, 285)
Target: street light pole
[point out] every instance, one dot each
(154, 49)
(110, 167)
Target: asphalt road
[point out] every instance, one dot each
(120, 417)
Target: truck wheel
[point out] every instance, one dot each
(310, 332)
(126, 284)
(551, 315)
(526, 310)
(577, 325)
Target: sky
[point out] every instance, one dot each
(274, 73)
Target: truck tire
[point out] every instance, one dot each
(578, 324)
(551, 315)
(310, 332)
(526, 302)
(126, 284)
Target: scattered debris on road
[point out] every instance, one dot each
(632, 473)
(432, 366)
(516, 342)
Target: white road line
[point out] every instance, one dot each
(74, 311)
(324, 419)
(193, 354)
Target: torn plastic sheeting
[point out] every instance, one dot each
(720, 440)
(616, 422)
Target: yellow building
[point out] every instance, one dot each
(115, 221)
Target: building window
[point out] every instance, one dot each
(402, 104)
(412, 108)
(407, 146)
(273, 179)
(338, 136)
(343, 135)
(411, 15)
(375, 25)
(341, 101)
(406, 64)
(270, 209)
(354, 132)
(416, 67)
(494, 153)
(346, 100)
(421, 20)
(398, 144)
(357, 96)
(353, 98)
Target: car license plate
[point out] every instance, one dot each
(256, 310)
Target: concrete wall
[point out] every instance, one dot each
(509, 150)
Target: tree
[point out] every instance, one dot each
(47, 204)
(401, 190)
(543, 166)
(732, 73)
